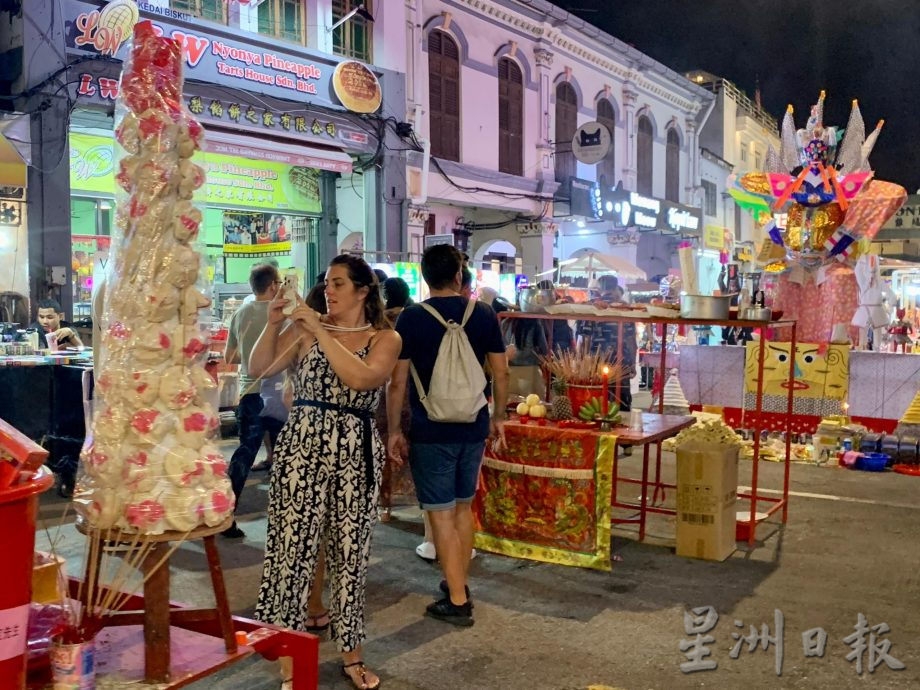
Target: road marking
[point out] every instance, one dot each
(832, 497)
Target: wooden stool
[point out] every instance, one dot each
(157, 615)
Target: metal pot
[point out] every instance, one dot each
(535, 300)
(757, 311)
(705, 307)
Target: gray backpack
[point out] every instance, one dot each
(456, 392)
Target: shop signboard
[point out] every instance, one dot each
(714, 237)
(231, 180)
(905, 224)
(210, 55)
(249, 234)
(591, 143)
(356, 87)
(649, 214)
(412, 274)
(432, 240)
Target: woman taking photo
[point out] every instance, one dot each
(329, 457)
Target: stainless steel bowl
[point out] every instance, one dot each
(705, 307)
(535, 300)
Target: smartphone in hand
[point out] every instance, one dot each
(289, 292)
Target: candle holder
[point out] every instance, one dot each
(606, 425)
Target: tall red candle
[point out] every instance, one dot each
(605, 378)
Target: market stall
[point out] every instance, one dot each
(581, 461)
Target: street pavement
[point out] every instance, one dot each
(850, 547)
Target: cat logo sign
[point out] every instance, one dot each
(591, 143)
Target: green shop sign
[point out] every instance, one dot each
(231, 180)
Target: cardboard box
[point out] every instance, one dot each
(48, 578)
(707, 489)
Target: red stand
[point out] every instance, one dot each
(18, 510)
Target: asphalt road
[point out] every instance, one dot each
(850, 548)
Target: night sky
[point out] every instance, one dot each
(863, 49)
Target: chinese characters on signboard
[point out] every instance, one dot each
(866, 641)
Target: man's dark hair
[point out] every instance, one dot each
(440, 265)
(49, 303)
(609, 283)
(261, 278)
(381, 275)
(316, 298)
(396, 292)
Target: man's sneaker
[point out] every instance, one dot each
(233, 532)
(448, 612)
(426, 551)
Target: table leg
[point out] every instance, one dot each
(156, 615)
(758, 425)
(658, 485)
(224, 617)
(643, 500)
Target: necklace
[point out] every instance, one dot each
(345, 329)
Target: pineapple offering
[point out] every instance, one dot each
(561, 406)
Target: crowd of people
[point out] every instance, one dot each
(343, 386)
(354, 335)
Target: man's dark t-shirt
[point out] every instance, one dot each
(421, 337)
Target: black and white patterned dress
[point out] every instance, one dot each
(325, 481)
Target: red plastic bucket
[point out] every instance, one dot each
(18, 511)
(579, 395)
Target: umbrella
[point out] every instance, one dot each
(595, 262)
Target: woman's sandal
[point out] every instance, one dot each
(363, 669)
(316, 627)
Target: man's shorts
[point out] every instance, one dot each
(445, 473)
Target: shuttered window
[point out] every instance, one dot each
(606, 169)
(510, 117)
(444, 95)
(566, 124)
(644, 142)
(672, 167)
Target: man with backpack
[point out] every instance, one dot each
(446, 341)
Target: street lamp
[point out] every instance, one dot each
(360, 11)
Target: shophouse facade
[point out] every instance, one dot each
(295, 172)
(498, 89)
(739, 133)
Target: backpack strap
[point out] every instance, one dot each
(470, 306)
(434, 312)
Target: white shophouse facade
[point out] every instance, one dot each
(738, 134)
(493, 85)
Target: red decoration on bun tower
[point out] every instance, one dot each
(149, 463)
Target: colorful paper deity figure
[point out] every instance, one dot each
(824, 185)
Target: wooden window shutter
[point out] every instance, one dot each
(510, 117)
(444, 95)
(672, 167)
(606, 169)
(644, 144)
(566, 124)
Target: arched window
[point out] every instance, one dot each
(444, 95)
(672, 167)
(566, 124)
(644, 137)
(510, 117)
(606, 169)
